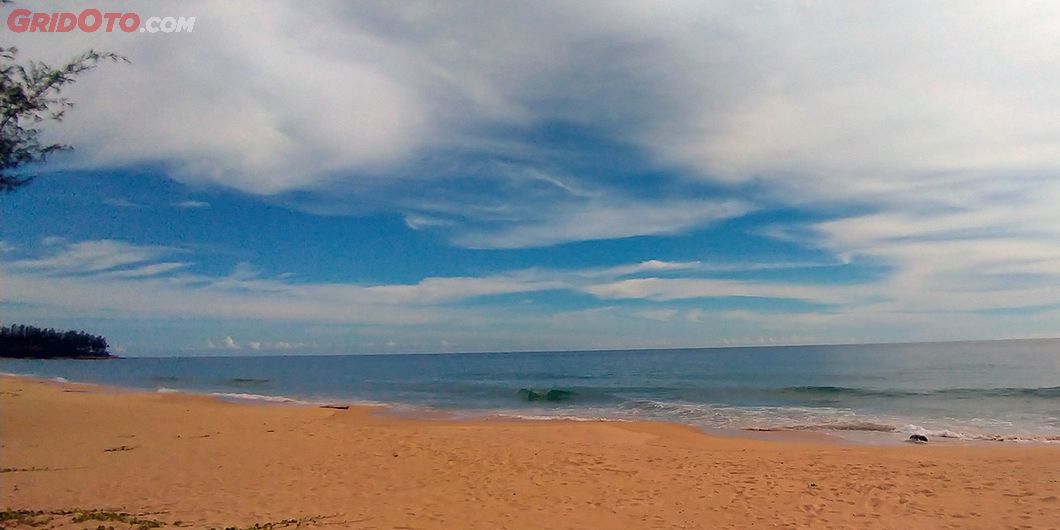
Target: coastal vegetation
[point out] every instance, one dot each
(115, 520)
(120, 520)
(30, 342)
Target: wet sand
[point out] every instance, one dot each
(196, 462)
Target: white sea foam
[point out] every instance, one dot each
(827, 419)
(259, 397)
(547, 417)
(977, 436)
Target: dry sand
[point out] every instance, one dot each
(207, 463)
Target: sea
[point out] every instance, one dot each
(1004, 391)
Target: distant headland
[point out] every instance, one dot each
(30, 342)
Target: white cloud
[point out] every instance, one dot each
(666, 289)
(420, 222)
(880, 106)
(227, 343)
(661, 315)
(237, 110)
(685, 267)
(842, 93)
(230, 343)
(388, 93)
(651, 266)
(88, 276)
(191, 205)
(91, 256)
(119, 279)
(440, 290)
(153, 269)
(605, 220)
(849, 100)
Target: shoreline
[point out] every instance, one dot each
(852, 436)
(209, 463)
(414, 413)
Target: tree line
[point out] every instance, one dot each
(31, 342)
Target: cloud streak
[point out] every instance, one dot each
(605, 220)
(121, 280)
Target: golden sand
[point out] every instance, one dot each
(205, 463)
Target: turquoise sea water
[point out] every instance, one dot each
(1007, 390)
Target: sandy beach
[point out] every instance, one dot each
(196, 462)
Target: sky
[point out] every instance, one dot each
(375, 177)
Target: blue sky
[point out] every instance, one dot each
(450, 177)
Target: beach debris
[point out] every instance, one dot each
(21, 469)
(918, 439)
(339, 407)
(118, 449)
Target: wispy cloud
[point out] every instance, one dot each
(153, 269)
(634, 306)
(420, 222)
(657, 314)
(118, 276)
(114, 276)
(666, 289)
(653, 266)
(91, 256)
(604, 220)
(191, 204)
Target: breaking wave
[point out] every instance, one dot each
(1052, 392)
